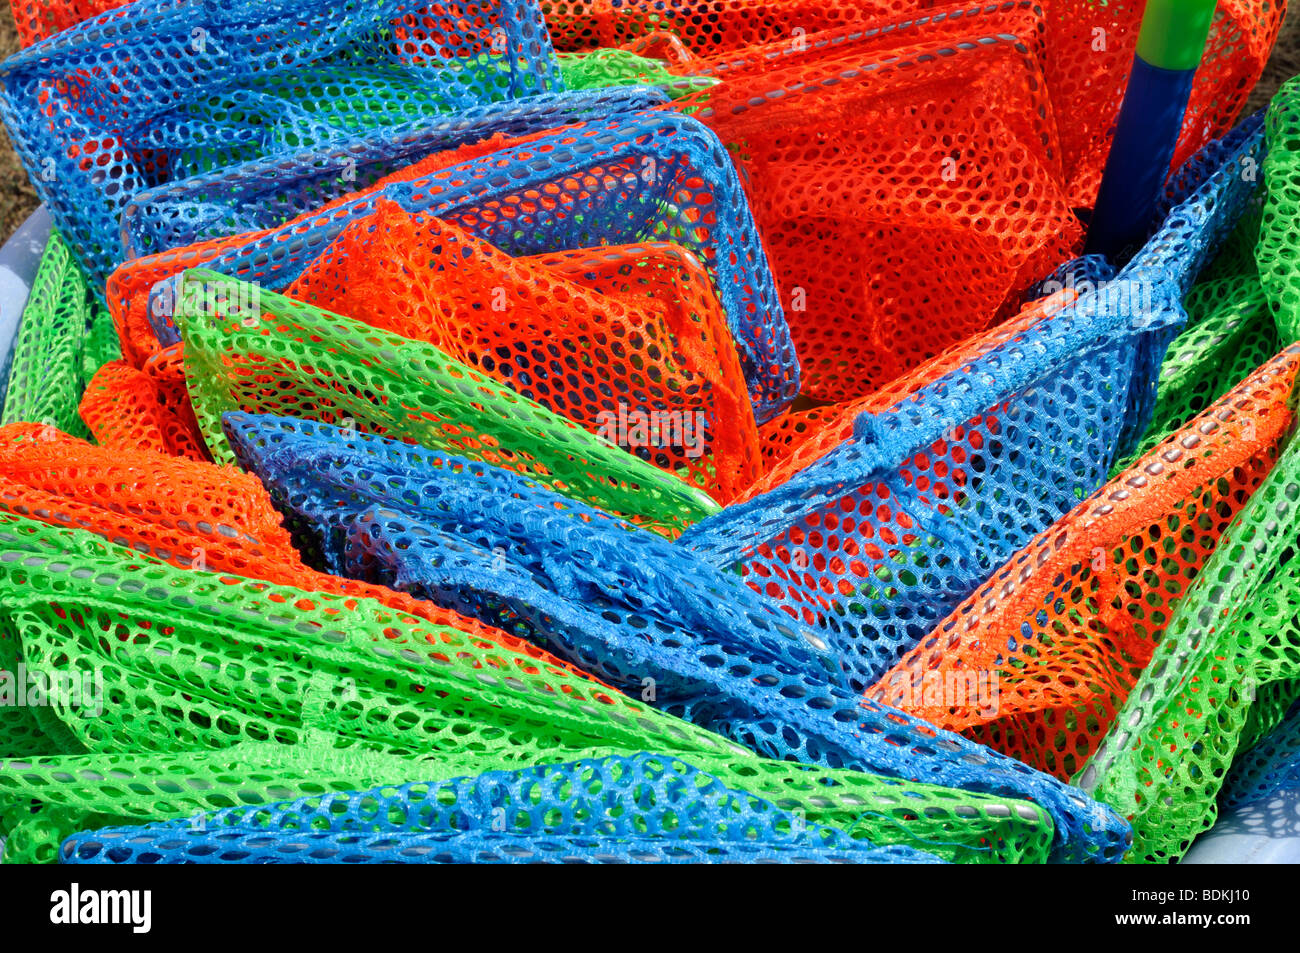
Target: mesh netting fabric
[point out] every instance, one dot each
(190, 659)
(600, 69)
(979, 829)
(1276, 250)
(1088, 50)
(43, 799)
(705, 29)
(1269, 767)
(128, 409)
(1229, 334)
(63, 338)
(190, 514)
(639, 809)
(1089, 56)
(166, 88)
(875, 542)
(627, 341)
(247, 349)
(1066, 627)
(795, 439)
(620, 602)
(626, 180)
(934, 142)
(1231, 649)
(36, 20)
(268, 192)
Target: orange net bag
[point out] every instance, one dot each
(627, 341)
(704, 28)
(1088, 49)
(1066, 627)
(191, 514)
(1090, 53)
(907, 184)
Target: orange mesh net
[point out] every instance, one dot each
(612, 338)
(907, 184)
(38, 19)
(1066, 627)
(706, 29)
(794, 440)
(1090, 52)
(130, 409)
(1088, 48)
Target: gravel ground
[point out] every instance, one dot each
(17, 198)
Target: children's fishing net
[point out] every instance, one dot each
(1231, 645)
(268, 192)
(1087, 52)
(1225, 671)
(162, 89)
(1070, 623)
(1229, 334)
(975, 831)
(539, 559)
(643, 615)
(197, 659)
(639, 809)
(246, 349)
(874, 542)
(627, 341)
(47, 798)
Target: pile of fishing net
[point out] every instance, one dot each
(701, 443)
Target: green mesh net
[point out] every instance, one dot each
(1228, 667)
(171, 692)
(63, 338)
(1230, 332)
(1233, 635)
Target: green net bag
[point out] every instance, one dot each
(1279, 241)
(151, 657)
(607, 67)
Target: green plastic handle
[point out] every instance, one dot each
(1174, 32)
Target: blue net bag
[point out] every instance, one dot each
(876, 542)
(648, 617)
(638, 809)
(162, 89)
(270, 191)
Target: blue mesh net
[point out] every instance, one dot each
(648, 617)
(875, 543)
(639, 809)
